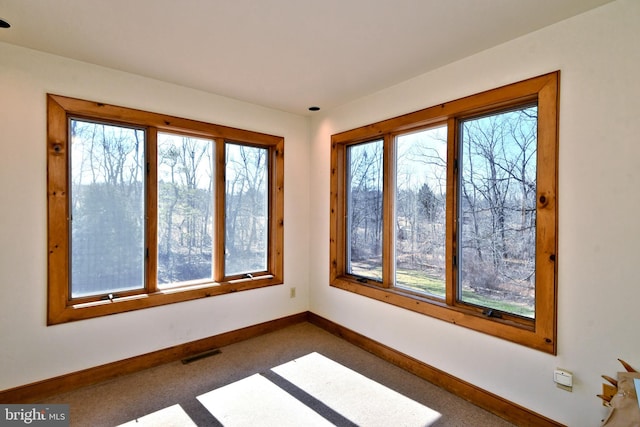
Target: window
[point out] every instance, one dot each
(451, 211)
(147, 209)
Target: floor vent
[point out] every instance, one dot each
(199, 356)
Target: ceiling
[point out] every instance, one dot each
(282, 54)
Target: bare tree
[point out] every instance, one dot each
(184, 216)
(246, 205)
(498, 172)
(107, 207)
(420, 202)
(365, 205)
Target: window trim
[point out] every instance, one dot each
(539, 333)
(60, 307)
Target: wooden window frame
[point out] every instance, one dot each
(539, 333)
(60, 306)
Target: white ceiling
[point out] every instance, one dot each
(283, 54)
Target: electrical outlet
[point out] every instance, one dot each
(292, 293)
(563, 379)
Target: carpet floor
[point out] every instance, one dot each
(298, 376)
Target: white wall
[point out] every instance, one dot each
(599, 227)
(31, 351)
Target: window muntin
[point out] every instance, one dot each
(364, 211)
(497, 211)
(185, 209)
(137, 152)
(107, 208)
(246, 214)
(420, 214)
(537, 329)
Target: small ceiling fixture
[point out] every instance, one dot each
(4, 24)
(314, 108)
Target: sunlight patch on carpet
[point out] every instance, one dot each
(356, 397)
(256, 401)
(172, 416)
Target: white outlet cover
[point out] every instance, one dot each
(563, 377)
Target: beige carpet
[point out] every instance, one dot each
(354, 396)
(173, 416)
(270, 405)
(298, 376)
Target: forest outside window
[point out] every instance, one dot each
(147, 209)
(451, 211)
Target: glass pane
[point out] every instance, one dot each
(185, 209)
(420, 217)
(364, 209)
(107, 208)
(497, 201)
(246, 209)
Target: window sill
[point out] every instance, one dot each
(86, 310)
(523, 333)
